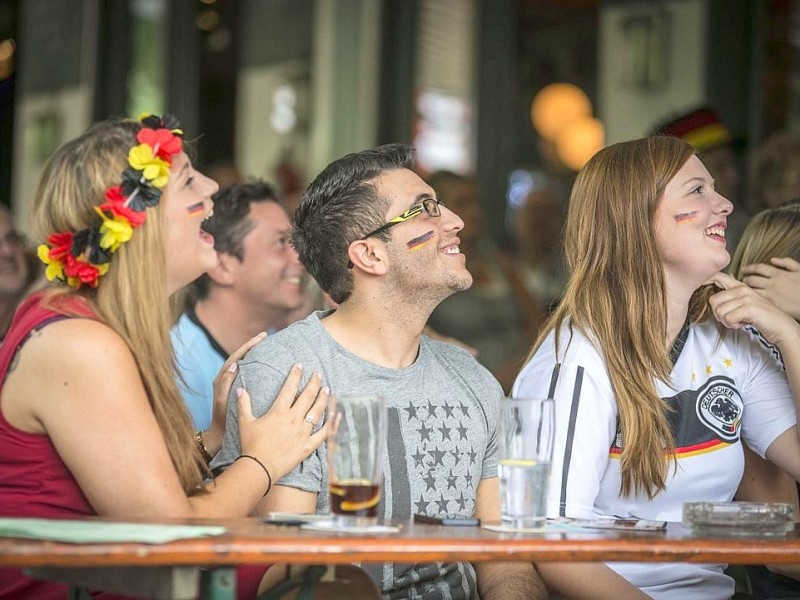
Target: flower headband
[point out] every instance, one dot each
(81, 258)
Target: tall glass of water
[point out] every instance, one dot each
(525, 448)
(355, 455)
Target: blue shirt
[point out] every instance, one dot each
(199, 358)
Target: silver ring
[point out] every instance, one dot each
(310, 419)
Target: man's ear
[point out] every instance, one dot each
(368, 255)
(223, 274)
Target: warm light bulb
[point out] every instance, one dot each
(6, 50)
(555, 106)
(578, 141)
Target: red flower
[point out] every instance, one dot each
(86, 272)
(164, 143)
(115, 204)
(61, 244)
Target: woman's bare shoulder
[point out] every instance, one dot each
(71, 359)
(74, 339)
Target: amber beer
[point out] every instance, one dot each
(356, 498)
(355, 450)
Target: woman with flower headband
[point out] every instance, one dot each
(653, 396)
(88, 376)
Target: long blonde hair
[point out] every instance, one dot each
(616, 293)
(772, 233)
(132, 297)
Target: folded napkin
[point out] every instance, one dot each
(87, 532)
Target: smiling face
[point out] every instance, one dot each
(423, 251)
(13, 267)
(690, 224)
(269, 274)
(190, 250)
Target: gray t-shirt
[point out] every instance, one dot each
(441, 436)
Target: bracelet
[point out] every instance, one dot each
(260, 464)
(201, 446)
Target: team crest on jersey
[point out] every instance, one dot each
(719, 407)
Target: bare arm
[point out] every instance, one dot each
(520, 580)
(588, 580)
(503, 580)
(287, 499)
(764, 481)
(738, 305)
(94, 408)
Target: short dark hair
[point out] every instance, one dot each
(340, 206)
(230, 223)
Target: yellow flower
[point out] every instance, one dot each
(154, 169)
(54, 270)
(115, 231)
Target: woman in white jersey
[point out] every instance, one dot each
(653, 396)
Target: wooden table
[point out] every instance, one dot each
(248, 541)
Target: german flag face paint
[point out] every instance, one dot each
(419, 242)
(685, 217)
(196, 209)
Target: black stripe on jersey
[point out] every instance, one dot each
(679, 343)
(573, 417)
(769, 346)
(553, 381)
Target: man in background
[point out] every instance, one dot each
(255, 287)
(17, 269)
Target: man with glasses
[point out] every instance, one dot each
(374, 236)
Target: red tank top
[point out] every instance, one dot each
(35, 482)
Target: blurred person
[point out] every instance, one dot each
(537, 227)
(716, 147)
(658, 377)
(290, 179)
(770, 242)
(255, 285)
(88, 374)
(774, 175)
(496, 315)
(17, 273)
(375, 237)
(770, 265)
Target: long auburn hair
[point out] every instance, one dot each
(132, 297)
(616, 293)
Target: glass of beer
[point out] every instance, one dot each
(525, 449)
(355, 458)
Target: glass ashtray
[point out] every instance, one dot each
(738, 518)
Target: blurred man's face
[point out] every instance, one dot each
(462, 199)
(270, 275)
(721, 163)
(13, 266)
